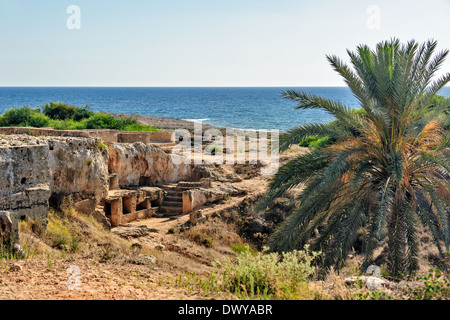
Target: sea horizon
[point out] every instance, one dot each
(241, 107)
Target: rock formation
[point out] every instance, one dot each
(116, 182)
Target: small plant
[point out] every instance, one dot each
(242, 248)
(434, 286)
(101, 145)
(49, 262)
(267, 275)
(213, 150)
(7, 251)
(373, 295)
(203, 240)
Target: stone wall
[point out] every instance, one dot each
(107, 135)
(49, 132)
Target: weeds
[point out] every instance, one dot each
(256, 276)
(434, 286)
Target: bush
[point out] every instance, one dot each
(315, 141)
(82, 113)
(59, 111)
(62, 111)
(320, 143)
(24, 116)
(267, 275)
(139, 127)
(61, 116)
(17, 116)
(37, 120)
(103, 121)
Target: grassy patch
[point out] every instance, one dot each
(61, 116)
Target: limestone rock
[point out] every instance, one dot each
(8, 228)
(134, 162)
(79, 167)
(372, 283)
(16, 267)
(24, 180)
(130, 230)
(145, 259)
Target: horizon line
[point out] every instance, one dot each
(175, 86)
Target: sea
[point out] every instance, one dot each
(232, 107)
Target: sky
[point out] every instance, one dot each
(201, 42)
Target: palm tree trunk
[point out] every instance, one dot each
(397, 242)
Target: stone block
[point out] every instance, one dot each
(9, 230)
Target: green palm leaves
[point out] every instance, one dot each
(383, 173)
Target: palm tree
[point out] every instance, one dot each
(383, 173)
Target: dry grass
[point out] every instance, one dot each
(214, 233)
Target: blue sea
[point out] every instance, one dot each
(243, 107)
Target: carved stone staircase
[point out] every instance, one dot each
(172, 204)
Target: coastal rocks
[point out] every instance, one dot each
(138, 164)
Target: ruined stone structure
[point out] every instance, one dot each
(24, 185)
(115, 181)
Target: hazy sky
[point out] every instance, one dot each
(200, 42)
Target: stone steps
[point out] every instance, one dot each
(171, 211)
(175, 198)
(173, 203)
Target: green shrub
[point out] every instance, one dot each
(320, 142)
(103, 121)
(59, 111)
(17, 116)
(267, 275)
(82, 113)
(204, 240)
(242, 248)
(24, 116)
(315, 141)
(307, 140)
(37, 120)
(61, 116)
(139, 127)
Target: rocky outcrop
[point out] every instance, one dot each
(196, 197)
(139, 164)
(78, 167)
(24, 182)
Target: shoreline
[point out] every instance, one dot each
(163, 123)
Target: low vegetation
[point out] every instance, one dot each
(61, 116)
